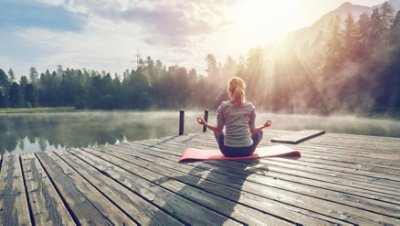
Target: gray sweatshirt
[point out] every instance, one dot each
(238, 122)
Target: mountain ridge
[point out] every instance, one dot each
(310, 32)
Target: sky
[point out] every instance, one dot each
(107, 34)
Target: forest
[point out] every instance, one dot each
(353, 66)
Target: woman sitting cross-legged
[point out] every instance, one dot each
(238, 117)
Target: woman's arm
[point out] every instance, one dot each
(258, 129)
(215, 129)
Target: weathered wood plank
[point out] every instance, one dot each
(135, 206)
(47, 206)
(349, 174)
(380, 168)
(312, 178)
(329, 148)
(390, 167)
(216, 203)
(181, 208)
(331, 176)
(89, 206)
(325, 195)
(335, 193)
(354, 181)
(14, 209)
(198, 177)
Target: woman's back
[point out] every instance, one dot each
(237, 116)
(238, 121)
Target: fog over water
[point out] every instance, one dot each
(31, 132)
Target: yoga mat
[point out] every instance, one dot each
(215, 154)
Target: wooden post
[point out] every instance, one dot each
(181, 122)
(206, 119)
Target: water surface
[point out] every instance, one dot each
(32, 132)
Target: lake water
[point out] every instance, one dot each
(32, 132)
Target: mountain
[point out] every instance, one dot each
(394, 3)
(311, 32)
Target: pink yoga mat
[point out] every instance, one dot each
(215, 154)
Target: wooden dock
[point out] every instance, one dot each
(339, 180)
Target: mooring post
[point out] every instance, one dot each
(206, 119)
(181, 122)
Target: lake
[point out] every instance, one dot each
(32, 132)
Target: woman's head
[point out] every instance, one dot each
(236, 90)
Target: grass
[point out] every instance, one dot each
(36, 110)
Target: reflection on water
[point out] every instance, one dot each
(56, 131)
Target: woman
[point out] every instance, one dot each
(238, 116)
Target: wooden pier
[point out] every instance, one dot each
(339, 180)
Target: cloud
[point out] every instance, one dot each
(161, 22)
(105, 34)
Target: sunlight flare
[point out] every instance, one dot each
(266, 20)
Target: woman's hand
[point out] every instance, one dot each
(200, 120)
(267, 124)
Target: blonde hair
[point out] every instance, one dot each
(236, 90)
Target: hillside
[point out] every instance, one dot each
(311, 32)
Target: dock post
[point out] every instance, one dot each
(181, 122)
(206, 119)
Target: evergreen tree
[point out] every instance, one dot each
(386, 12)
(4, 88)
(15, 95)
(33, 75)
(212, 66)
(11, 75)
(350, 38)
(334, 48)
(31, 95)
(362, 32)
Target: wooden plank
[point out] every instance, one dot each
(14, 209)
(389, 182)
(325, 195)
(297, 137)
(47, 206)
(390, 167)
(89, 206)
(181, 208)
(218, 204)
(304, 171)
(198, 178)
(135, 206)
(257, 169)
(352, 165)
(397, 193)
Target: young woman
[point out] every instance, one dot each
(238, 116)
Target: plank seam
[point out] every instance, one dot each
(220, 196)
(31, 215)
(144, 198)
(277, 200)
(127, 214)
(72, 214)
(375, 212)
(189, 185)
(148, 146)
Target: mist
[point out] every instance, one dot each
(34, 132)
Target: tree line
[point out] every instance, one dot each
(352, 66)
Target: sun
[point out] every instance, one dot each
(265, 20)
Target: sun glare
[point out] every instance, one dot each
(263, 21)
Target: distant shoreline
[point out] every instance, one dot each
(393, 114)
(36, 110)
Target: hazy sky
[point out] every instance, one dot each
(106, 34)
